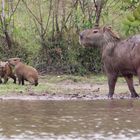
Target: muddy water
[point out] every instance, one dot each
(66, 120)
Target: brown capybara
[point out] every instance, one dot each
(121, 57)
(24, 72)
(6, 71)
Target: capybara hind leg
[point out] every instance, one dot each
(19, 80)
(0, 81)
(129, 80)
(112, 79)
(22, 81)
(138, 73)
(13, 77)
(36, 82)
(5, 79)
(31, 80)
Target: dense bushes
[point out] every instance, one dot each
(68, 56)
(131, 23)
(15, 51)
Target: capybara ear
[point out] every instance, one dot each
(6, 63)
(107, 28)
(19, 59)
(3, 64)
(104, 29)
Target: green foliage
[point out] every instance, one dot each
(136, 14)
(73, 59)
(132, 22)
(130, 17)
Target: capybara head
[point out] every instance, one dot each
(96, 37)
(3, 65)
(14, 61)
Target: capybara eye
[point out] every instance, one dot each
(95, 31)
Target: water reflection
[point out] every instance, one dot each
(82, 120)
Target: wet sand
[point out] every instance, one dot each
(62, 97)
(68, 88)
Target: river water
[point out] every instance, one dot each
(70, 120)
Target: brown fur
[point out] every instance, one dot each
(120, 57)
(24, 72)
(6, 71)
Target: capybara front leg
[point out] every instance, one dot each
(0, 81)
(5, 79)
(22, 80)
(112, 79)
(129, 80)
(13, 77)
(19, 80)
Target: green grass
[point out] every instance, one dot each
(49, 83)
(65, 84)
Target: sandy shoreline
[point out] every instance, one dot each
(58, 97)
(66, 87)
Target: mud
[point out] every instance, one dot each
(62, 97)
(62, 88)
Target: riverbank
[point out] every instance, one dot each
(66, 87)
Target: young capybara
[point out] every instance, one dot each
(121, 57)
(6, 71)
(24, 72)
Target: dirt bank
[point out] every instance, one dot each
(66, 87)
(63, 97)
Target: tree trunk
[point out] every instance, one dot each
(98, 9)
(4, 26)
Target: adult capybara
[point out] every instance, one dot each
(6, 71)
(24, 72)
(120, 57)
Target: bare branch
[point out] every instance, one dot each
(14, 10)
(31, 12)
(49, 15)
(65, 22)
(98, 6)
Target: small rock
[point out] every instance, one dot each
(32, 94)
(122, 97)
(84, 95)
(136, 84)
(44, 94)
(74, 95)
(96, 90)
(53, 94)
(96, 96)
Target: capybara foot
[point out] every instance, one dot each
(135, 95)
(110, 96)
(36, 84)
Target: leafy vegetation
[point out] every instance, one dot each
(132, 20)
